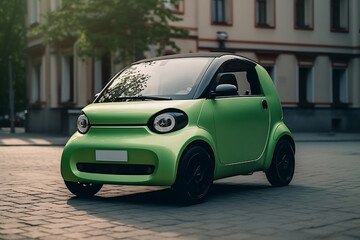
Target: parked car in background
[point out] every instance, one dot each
(19, 120)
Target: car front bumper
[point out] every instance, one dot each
(152, 159)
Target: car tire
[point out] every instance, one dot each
(195, 176)
(83, 189)
(282, 167)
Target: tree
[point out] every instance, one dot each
(126, 27)
(12, 44)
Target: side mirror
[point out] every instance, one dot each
(224, 90)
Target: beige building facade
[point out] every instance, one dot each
(311, 48)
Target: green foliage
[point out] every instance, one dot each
(127, 27)
(12, 44)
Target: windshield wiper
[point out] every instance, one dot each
(143, 98)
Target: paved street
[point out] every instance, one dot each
(322, 202)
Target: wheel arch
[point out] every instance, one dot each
(289, 139)
(204, 144)
(280, 132)
(200, 143)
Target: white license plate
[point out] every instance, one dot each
(111, 155)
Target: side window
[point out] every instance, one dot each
(240, 74)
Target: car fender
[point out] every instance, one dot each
(198, 136)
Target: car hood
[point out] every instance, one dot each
(137, 113)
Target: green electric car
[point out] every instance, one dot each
(181, 121)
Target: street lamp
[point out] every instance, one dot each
(11, 99)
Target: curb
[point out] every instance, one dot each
(327, 140)
(32, 145)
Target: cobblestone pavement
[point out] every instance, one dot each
(322, 202)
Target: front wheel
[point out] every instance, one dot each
(83, 189)
(195, 175)
(282, 167)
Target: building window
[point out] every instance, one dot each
(35, 83)
(304, 14)
(67, 79)
(33, 8)
(339, 15)
(339, 86)
(221, 12)
(265, 13)
(306, 91)
(102, 72)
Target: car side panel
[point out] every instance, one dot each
(241, 125)
(206, 121)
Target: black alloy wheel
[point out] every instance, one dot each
(195, 175)
(282, 167)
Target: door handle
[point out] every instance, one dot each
(264, 104)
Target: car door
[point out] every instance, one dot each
(241, 121)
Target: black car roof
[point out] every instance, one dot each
(190, 55)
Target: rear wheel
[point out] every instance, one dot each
(282, 167)
(195, 175)
(83, 189)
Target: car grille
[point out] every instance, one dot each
(116, 169)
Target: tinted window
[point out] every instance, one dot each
(240, 74)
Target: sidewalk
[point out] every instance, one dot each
(326, 137)
(20, 138)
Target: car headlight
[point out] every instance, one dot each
(168, 121)
(83, 124)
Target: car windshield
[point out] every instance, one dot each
(165, 79)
